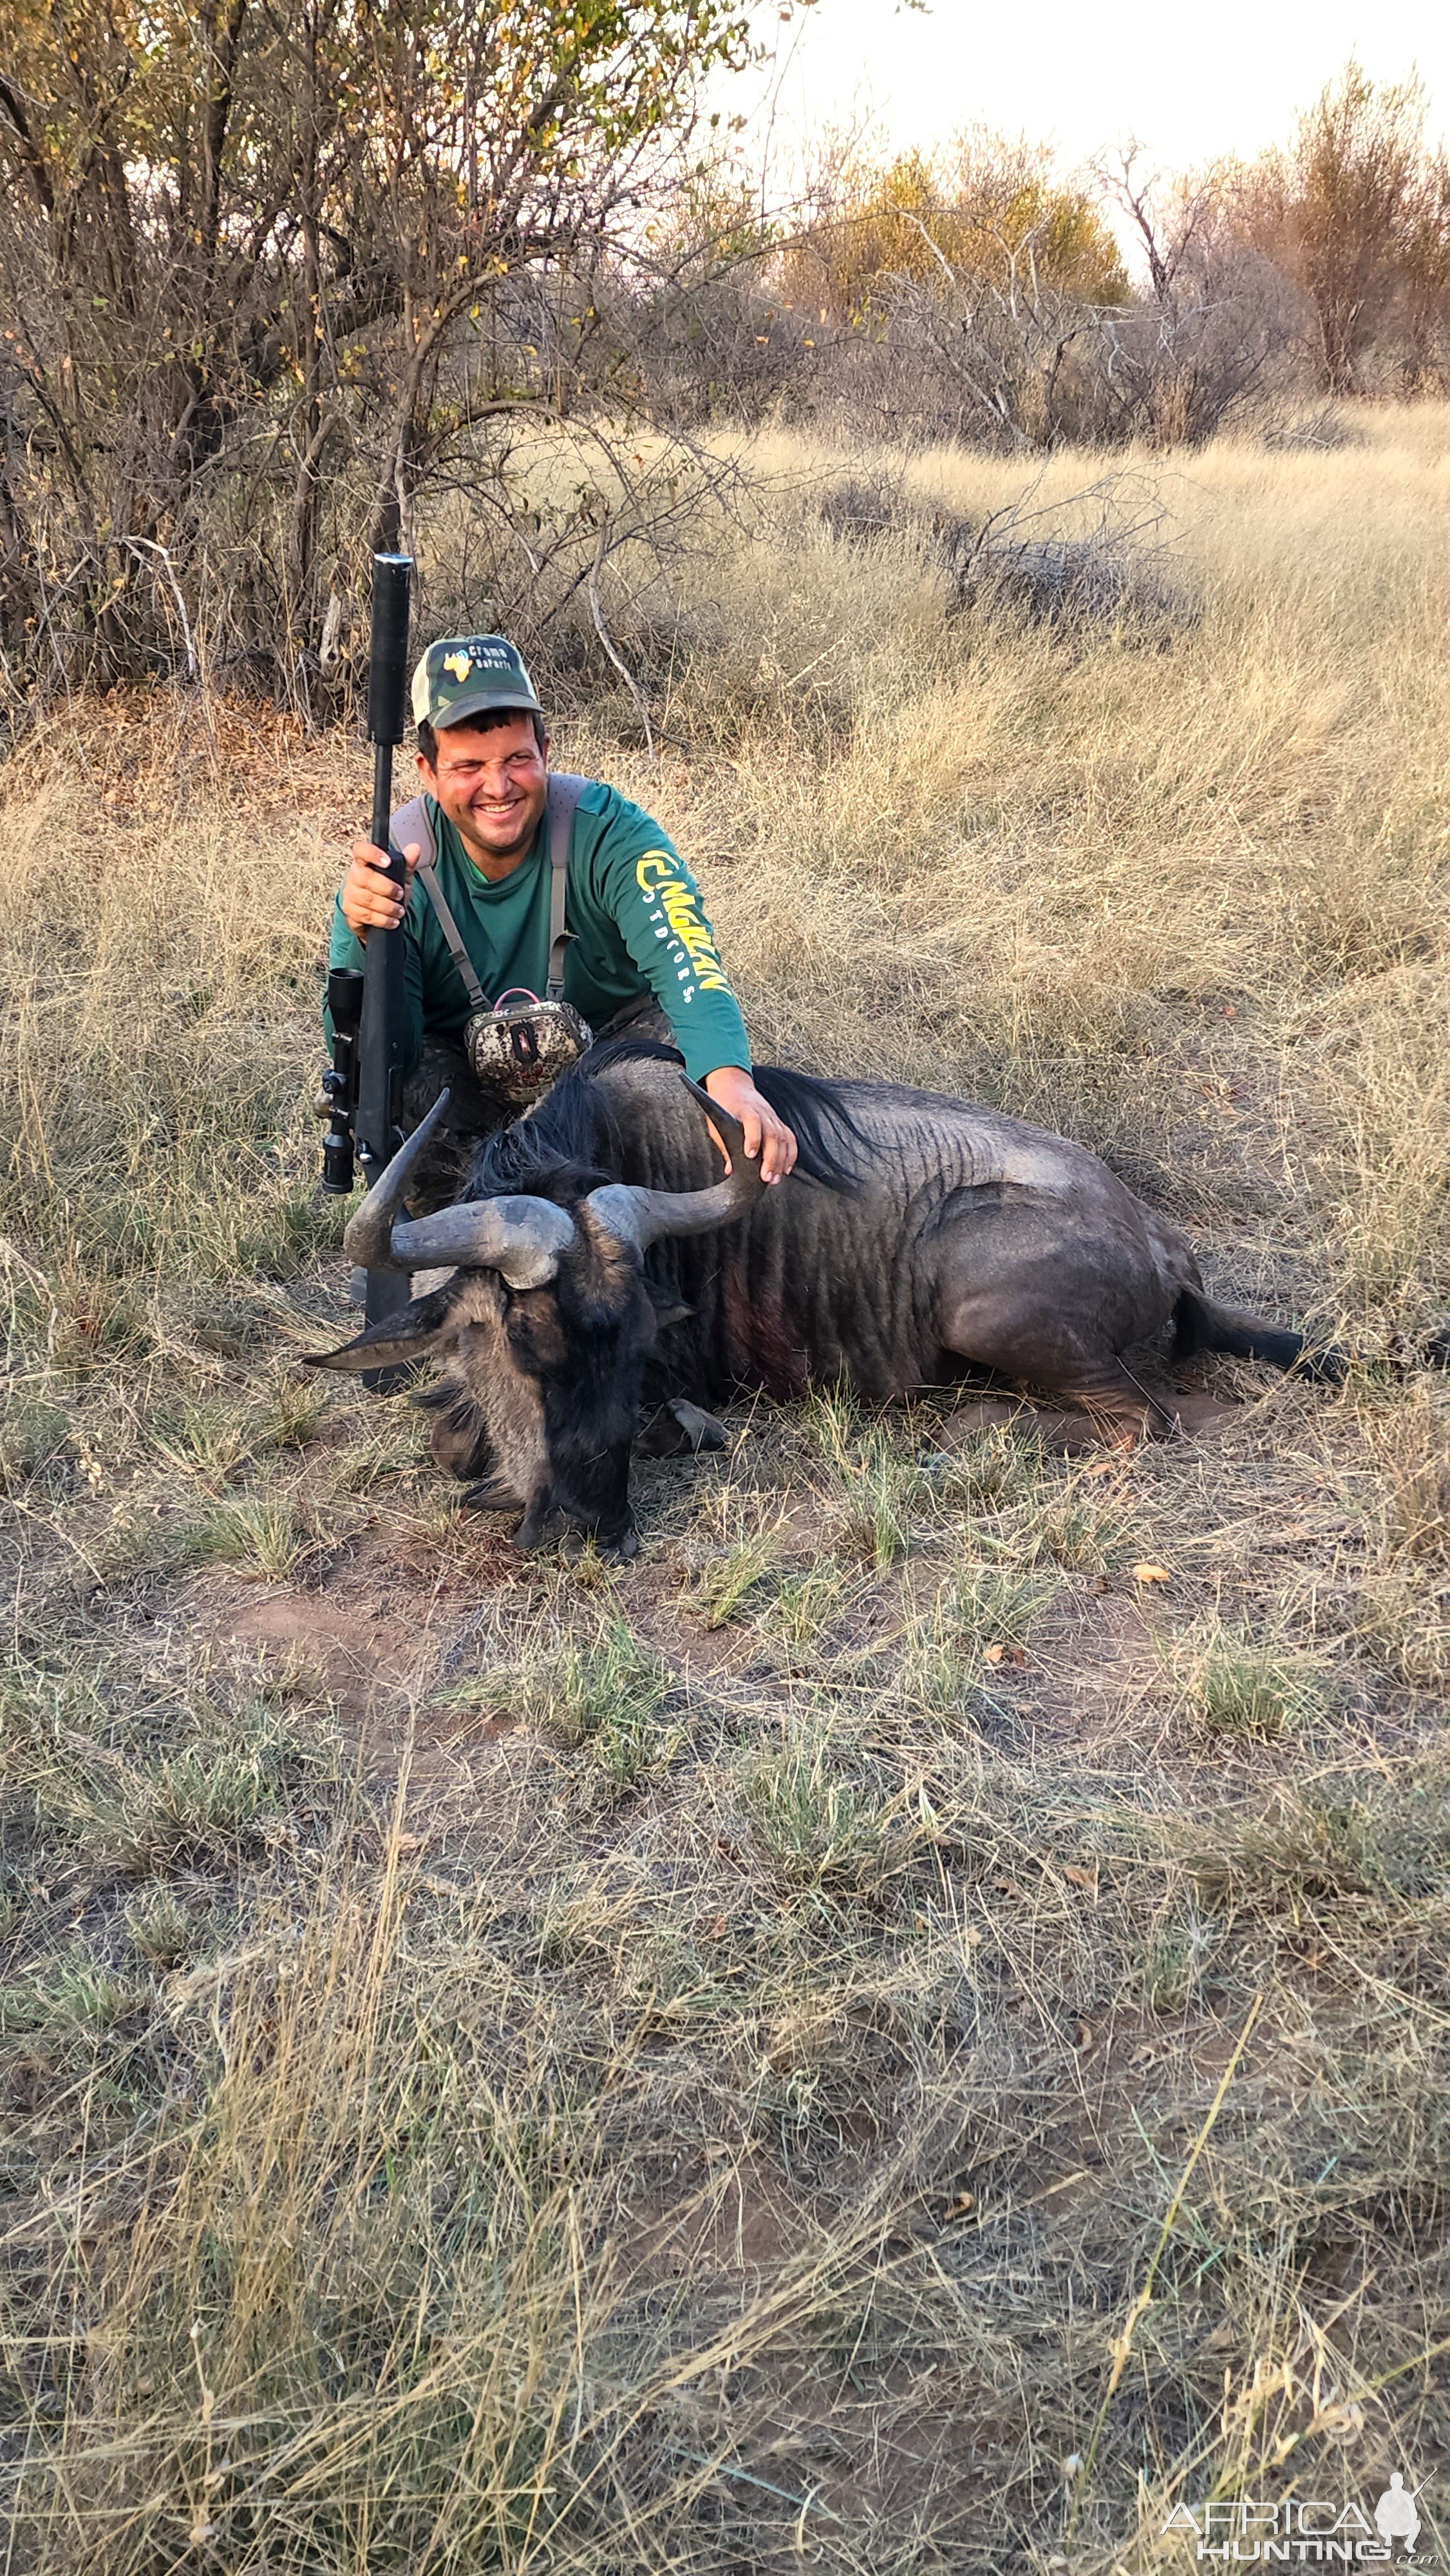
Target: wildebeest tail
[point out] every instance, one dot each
(1201, 1325)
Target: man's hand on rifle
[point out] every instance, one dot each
(370, 899)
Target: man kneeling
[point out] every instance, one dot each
(523, 885)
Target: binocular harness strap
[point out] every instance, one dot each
(410, 823)
(565, 790)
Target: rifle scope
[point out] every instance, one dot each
(339, 1087)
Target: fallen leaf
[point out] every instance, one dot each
(201, 2530)
(1084, 2034)
(1008, 1886)
(993, 1654)
(1146, 1573)
(1087, 1878)
(1017, 1655)
(965, 2200)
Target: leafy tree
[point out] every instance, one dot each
(257, 252)
(986, 208)
(1355, 213)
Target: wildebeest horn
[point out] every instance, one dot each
(643, 1217)
(368, 1240)
(520, 1238)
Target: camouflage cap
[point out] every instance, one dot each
(465, 675)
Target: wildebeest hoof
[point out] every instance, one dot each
(534, 1530)
(678, 1426)
(701, 1429)
(623, 1549)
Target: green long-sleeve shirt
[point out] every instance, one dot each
(633, 909)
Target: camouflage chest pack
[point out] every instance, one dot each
(519, 1044)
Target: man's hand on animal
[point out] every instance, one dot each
(766, 1133)
(369, 899)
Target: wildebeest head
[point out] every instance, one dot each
(546, 1322)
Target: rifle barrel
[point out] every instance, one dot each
(381, 1038)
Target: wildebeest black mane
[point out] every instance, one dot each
(571, 1142)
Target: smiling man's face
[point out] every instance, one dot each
(493, 787)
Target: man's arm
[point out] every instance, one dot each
(656, 907)
(369, 900)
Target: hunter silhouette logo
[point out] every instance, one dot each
(1303, 2531)
(1395, 2516)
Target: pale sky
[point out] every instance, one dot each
(1189, 83)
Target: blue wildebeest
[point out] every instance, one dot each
(606, 1284)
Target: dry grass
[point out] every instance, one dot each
(689, 2069)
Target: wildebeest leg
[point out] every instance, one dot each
(700, 1428)
(1200, 1324)
(1035, 1309)
(1120, 1411)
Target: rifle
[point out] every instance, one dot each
(368, 1008)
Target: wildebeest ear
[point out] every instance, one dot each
(408, 1335)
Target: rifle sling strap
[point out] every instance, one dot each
(411, 823)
